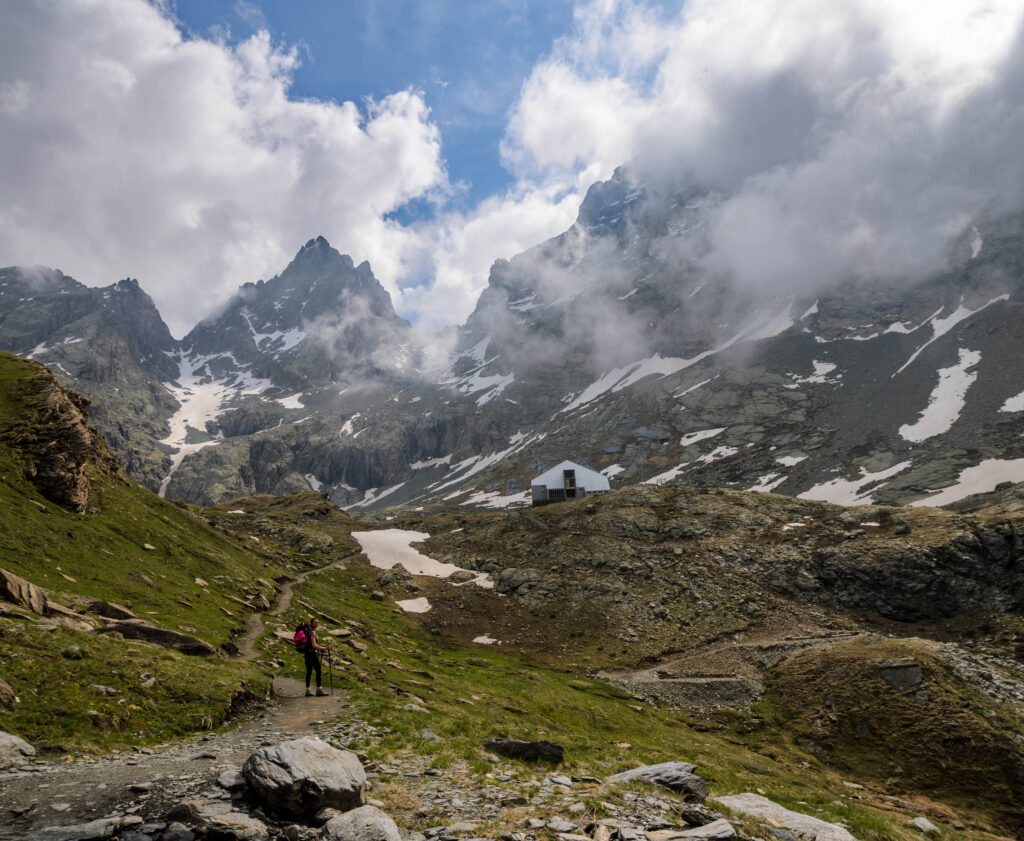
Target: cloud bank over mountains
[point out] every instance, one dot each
(858, 136)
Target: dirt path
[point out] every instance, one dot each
(255, 624)
(148, 784)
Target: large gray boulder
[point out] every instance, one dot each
(14, 751)
(302, 776)
(677, 776)
(799, 824)
(218, 819)
(17, 590)
(367, 823)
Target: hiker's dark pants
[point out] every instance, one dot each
(312, 662)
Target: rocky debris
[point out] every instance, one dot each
(8, 698)
(537, 751)
(803, 826)
(302, 776)
(14, 750)
(677, 776)
(365, 823)
(991, 678)
(17, 590)
(218, 819)
(90, 831)
(139, 629)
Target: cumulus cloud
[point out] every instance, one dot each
(128, 148)
(847, 138)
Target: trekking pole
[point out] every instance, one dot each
(330, 670)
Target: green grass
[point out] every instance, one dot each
(52, 670)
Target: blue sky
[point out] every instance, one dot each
(469, 59)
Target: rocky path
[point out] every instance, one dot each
(147, 782)
(255, 623)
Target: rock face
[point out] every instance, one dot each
(366, 823)
(7, 696)
(13, 750)
(677, 776)
(55, 443)
(139, 629)
(304, 775)
(18, 591)
(803, 826)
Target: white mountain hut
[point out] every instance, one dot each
(567, 480)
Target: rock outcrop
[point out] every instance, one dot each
(17, 590)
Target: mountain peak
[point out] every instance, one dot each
(316, 242)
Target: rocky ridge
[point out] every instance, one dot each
(612, 344)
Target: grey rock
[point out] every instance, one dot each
(138, 629)
(677, 776)
(92, 831)
(366, 823)
(17, 590)
(538, 751)
(232, 780)
(902, 673)
(100, 689)
(719, 829)
(218, 819)
(303, 775)
(177, 832)
(801, 825)
(14, 750)
(110, 610)
(925, 826)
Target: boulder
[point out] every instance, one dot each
(23, 593)
(539, 751)
(7, 696)
(91, 831)
(216, 818)
(925, 826)
(302, 776)
(232, 780)
(801, 825)
(367, 823)
(14, 751)
(109, 610)
(139, 629)
(903, 674)
(677, 776)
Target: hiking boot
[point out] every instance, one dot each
(320, 692)
(309, 693)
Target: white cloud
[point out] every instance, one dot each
(848, 137)
(126, 148)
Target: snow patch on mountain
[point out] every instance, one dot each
(848, 491)
(790, 461)
(386, 547)
(981, 478)
(1013, 404)
(768, 482)
(947, 399)
(702, 435)
(495, 499)
(976, 243)
(819, 377)
(201, 398)
(941, 326)
(433, 462)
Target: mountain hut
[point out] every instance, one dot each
(567, 480)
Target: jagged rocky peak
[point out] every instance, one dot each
(129, 300)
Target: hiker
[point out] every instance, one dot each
(311, 651)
